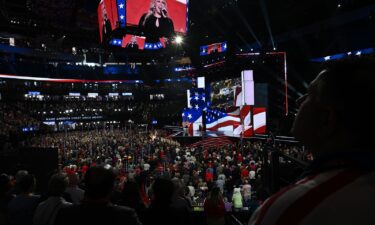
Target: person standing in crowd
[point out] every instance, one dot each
(131, 196)
(47, 210)
(96, 207)
(214, 207)
(156, 22)
(246, 192)
(338, 187)
(5, 197)
(21, 208)
(75, 193)
(161, 210)
(18, 177)
(237, 199)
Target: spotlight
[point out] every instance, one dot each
(178, 39)
(274, 48)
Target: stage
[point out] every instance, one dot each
(224, 137)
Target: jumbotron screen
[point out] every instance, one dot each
(113, 14)
(223, 93)
(213, 48)
(137, 43)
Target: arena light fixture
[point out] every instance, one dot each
(179, 40)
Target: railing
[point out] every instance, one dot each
(286, 173)
(234, 220)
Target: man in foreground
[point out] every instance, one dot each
(339, 186)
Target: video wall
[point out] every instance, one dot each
(176, 10)
(213, 48)
(223, 93)
(155, 20)
(134, 42)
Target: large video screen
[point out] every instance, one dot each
(213, 48)
(223, 93)
(133, 42)
(176, 10)
(107, 18)
(155, 18)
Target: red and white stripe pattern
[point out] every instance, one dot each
(195, 126)
(238, 96)
(259, 120)
(246, 127)
(62, 80)
(344, 196)
(223, 121)
(246, 121)
(214, 142)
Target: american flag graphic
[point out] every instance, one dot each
(246, 127)
(192, 118)
(213, 142)
(244, 120)
(121, 12)
(259, 120)
(238, 96)
(198, 99)
(220, 120)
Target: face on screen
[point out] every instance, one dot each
(159, 5)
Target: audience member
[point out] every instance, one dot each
(96, 207)
(76, 194)
(338, 187)
(214, 207)
(237, 199)
(21, 208)
(160, 210)
(5, 197)
(47, 210)
(131, 196)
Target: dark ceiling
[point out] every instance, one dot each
(240, 21)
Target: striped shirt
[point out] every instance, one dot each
(339, 196)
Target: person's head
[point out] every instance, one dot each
(133, 39)
(131, 191)
(335, 113)
(20, 174)
(163, 190)
(73, 179)
(57, 184)
(215, 195)
(5, 184)
(99, 182)
(104, 10)
(27, 183)
(237, 190)
(179, 187)
(158, 6)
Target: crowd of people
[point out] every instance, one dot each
(13, 119)
(140, 157)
